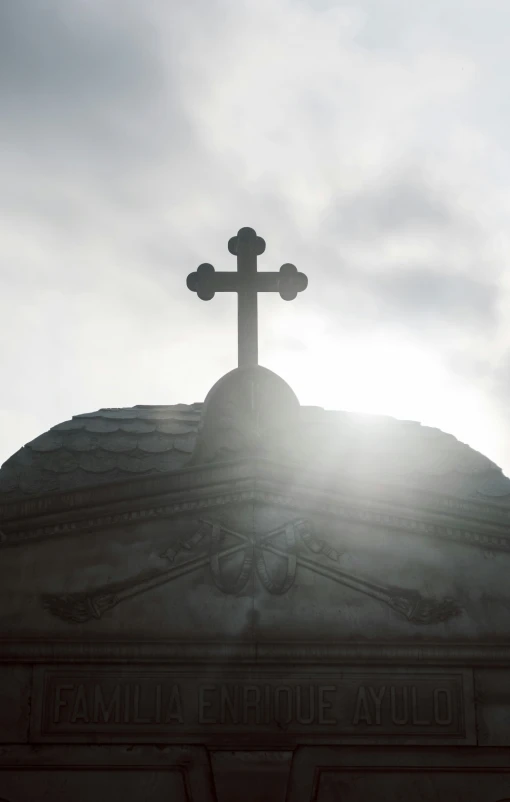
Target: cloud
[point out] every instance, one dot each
(427, 297)
(365, 142)
(74, 54)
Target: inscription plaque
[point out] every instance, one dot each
(187, 706)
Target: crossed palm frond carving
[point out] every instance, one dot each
(295, 543)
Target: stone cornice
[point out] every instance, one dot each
(205, 477)
(117, 492)
(205, 488)
(42, 651)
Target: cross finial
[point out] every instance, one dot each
(247, 282)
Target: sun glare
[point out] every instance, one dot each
(379, 376)
(382, 374)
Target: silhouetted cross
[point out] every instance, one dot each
(247, 282)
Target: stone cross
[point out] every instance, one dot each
(247, 282)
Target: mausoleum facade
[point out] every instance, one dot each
(251, 599)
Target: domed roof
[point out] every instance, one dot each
(114, 444)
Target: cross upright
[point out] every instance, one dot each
(247, 282)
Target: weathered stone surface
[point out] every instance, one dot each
(492, 691)
(15, 701)
(89, 773)
(250, 411)
(256, 776)
(326, 775)
(91, 784)
(358, 786)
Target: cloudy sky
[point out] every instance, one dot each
(366, 141)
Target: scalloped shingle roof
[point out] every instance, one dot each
(112, 444)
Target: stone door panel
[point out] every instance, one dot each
(91, 786)
(60, 773)
(402, 786)
(398, 775)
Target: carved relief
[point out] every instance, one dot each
(212, 545)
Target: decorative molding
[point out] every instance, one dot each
(106, 520)
(131, 652)
(204, 478)
(301, 500)
(121, 491)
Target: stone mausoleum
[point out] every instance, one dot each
(248, 599)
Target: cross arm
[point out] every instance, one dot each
(206, 281)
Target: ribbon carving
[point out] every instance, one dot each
(254, 559)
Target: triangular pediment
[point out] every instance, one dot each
(250, 550)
